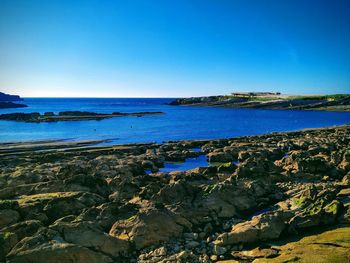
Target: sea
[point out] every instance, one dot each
(177, 122)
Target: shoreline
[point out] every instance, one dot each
(96, 142)
(261, 201)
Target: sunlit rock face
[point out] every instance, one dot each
(127, 203)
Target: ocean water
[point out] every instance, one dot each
(178, 122)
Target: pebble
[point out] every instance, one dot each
(193, 236)
(218, 250)
(192, 244)
(214, 257)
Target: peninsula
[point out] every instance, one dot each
(68, 116)
(6, 101)
(269, 100)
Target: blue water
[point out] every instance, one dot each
(177, 122)
(190, 163)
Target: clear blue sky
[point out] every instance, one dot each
(173, 48)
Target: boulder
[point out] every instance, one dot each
(255, 167)
(54, 251)
(23, 229)
(86, 234)
(316, 208)
(147, 228)
(178, 192)
(264, 227)
(56, 205)
(220, 157)
(8, 217)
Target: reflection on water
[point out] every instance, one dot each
(178, 123)
(190, 163)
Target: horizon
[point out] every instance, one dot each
(86, 97)
(164, 49)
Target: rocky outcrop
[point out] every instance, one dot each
(64, 202)
(47, 245)
(267, 226)
(149, 228)
(68, 116)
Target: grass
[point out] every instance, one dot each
(300, 201)
(333, 207)
(47, 196)
(7, 204)
(6, 235)
(330, 246)
(322, 97)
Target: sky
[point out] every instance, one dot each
(177, 48)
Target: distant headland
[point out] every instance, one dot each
(6, 101)
(271, 100)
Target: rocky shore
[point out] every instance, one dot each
(68, 116)
(337, 102)
(281, 197)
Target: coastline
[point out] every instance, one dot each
(335, 102)
(262, 193)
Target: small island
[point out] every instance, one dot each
(271, 100)
(6, 101)
(68, 116)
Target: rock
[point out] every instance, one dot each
(344, 218)
(227, 200)
(256, 167)
(47, 246)
(345, 163)
(344, 192)
(56, 205)
(191, 236)
(96, 204)
(226, 167)
(89, 183)
(219, 250)
(220, 157)
(7, 241)
(8, 217)
(264, 227)
(160, 252)
(346, 179)
(317, 208)
(214, 258)
(192, 244)
(22, 229)
(175, 193)
(147, 228)
(87, 235)
(256, 253)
